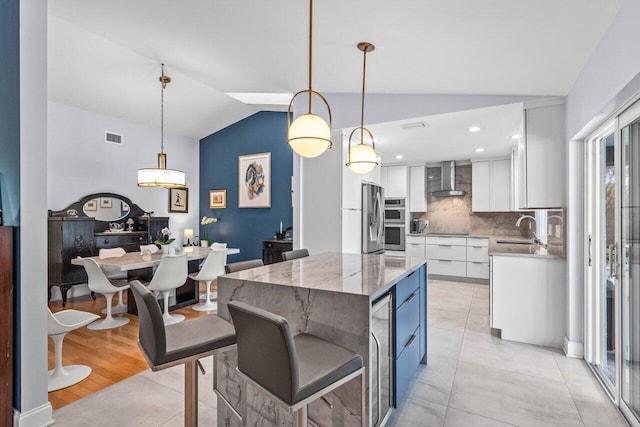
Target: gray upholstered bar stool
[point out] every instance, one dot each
(181, 343)
(295, 254)
(243, 265)
(292, 370)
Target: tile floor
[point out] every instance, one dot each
(472, 379)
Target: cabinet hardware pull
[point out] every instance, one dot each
(411, 297)
(408, 344)
(477, 247)
(445, 260)
(445, 246)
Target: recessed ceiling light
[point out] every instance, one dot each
(479, 150)
(474, 129)
(399, 156)
(515, 136)
(262, 98)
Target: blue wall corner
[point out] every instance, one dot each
(245, 228)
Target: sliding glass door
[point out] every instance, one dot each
(603, 228)
(630, 258)
(612, 259)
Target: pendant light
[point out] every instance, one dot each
(309, 135)
(161, 176)
(361, 158)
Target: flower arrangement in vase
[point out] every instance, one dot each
(205, 221)
(165, 241)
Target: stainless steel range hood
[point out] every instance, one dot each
(448, 181)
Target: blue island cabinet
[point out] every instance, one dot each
(410, 320)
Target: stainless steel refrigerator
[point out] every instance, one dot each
(372, 219)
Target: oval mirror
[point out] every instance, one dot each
(106, 208)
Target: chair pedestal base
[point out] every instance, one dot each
(116, 309)
(108, 323)
(172, 319)
(66, 376)
(206, 306)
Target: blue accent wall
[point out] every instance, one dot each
(10, 153)
(245, 228)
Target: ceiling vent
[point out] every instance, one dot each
(415, 125)
(113, 138)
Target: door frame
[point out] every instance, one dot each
(593, 265)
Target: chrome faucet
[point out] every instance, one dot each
(523, 217)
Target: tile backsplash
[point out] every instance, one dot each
(453, 214)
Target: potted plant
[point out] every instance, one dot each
(165, 241)
(205, 221)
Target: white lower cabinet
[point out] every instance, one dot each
(415, 246)
(527, 299)
(458, 256)
(478, 270)
(446, 267)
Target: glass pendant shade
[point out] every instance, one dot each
(309, 135)
(362, 158)
(161, 176)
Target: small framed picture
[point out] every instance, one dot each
(179, 200)
(254, 181)
(91, 205)
(105, 202)
(217, 199)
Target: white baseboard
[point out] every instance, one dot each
(36, 417)
(573, 348)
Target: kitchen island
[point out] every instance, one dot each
(332, 296)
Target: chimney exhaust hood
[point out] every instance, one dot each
(448, 181)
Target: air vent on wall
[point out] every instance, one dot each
(113, 138)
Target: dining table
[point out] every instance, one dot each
(141, 268)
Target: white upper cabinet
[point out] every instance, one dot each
(480, 186)
(394, 181)
(539, 174)
(491, 186)
(417, 196)
(501, 185)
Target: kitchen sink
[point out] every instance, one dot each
(513, 242)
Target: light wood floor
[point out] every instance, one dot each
(113, 354)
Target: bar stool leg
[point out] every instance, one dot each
(301, 417)
(191, 394)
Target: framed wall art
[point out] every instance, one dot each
(91, 205)
(254, 181)
(105, 202)
(217, 199)
(179, 200)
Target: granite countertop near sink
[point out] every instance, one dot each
(550, 250)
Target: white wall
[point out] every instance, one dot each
(31, 362)
(79, 162)
(608, 81)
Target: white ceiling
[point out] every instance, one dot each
(447, 136)
(104, 55)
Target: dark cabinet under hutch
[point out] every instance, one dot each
(75, 232)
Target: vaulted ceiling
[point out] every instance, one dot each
(105, 55)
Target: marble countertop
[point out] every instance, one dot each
(518, 250)
(361, 274)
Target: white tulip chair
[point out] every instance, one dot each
(170, 275)
(58, 325)
(212, 268)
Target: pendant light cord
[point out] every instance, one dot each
(162, 86)
(364, 73)
(310, 48)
